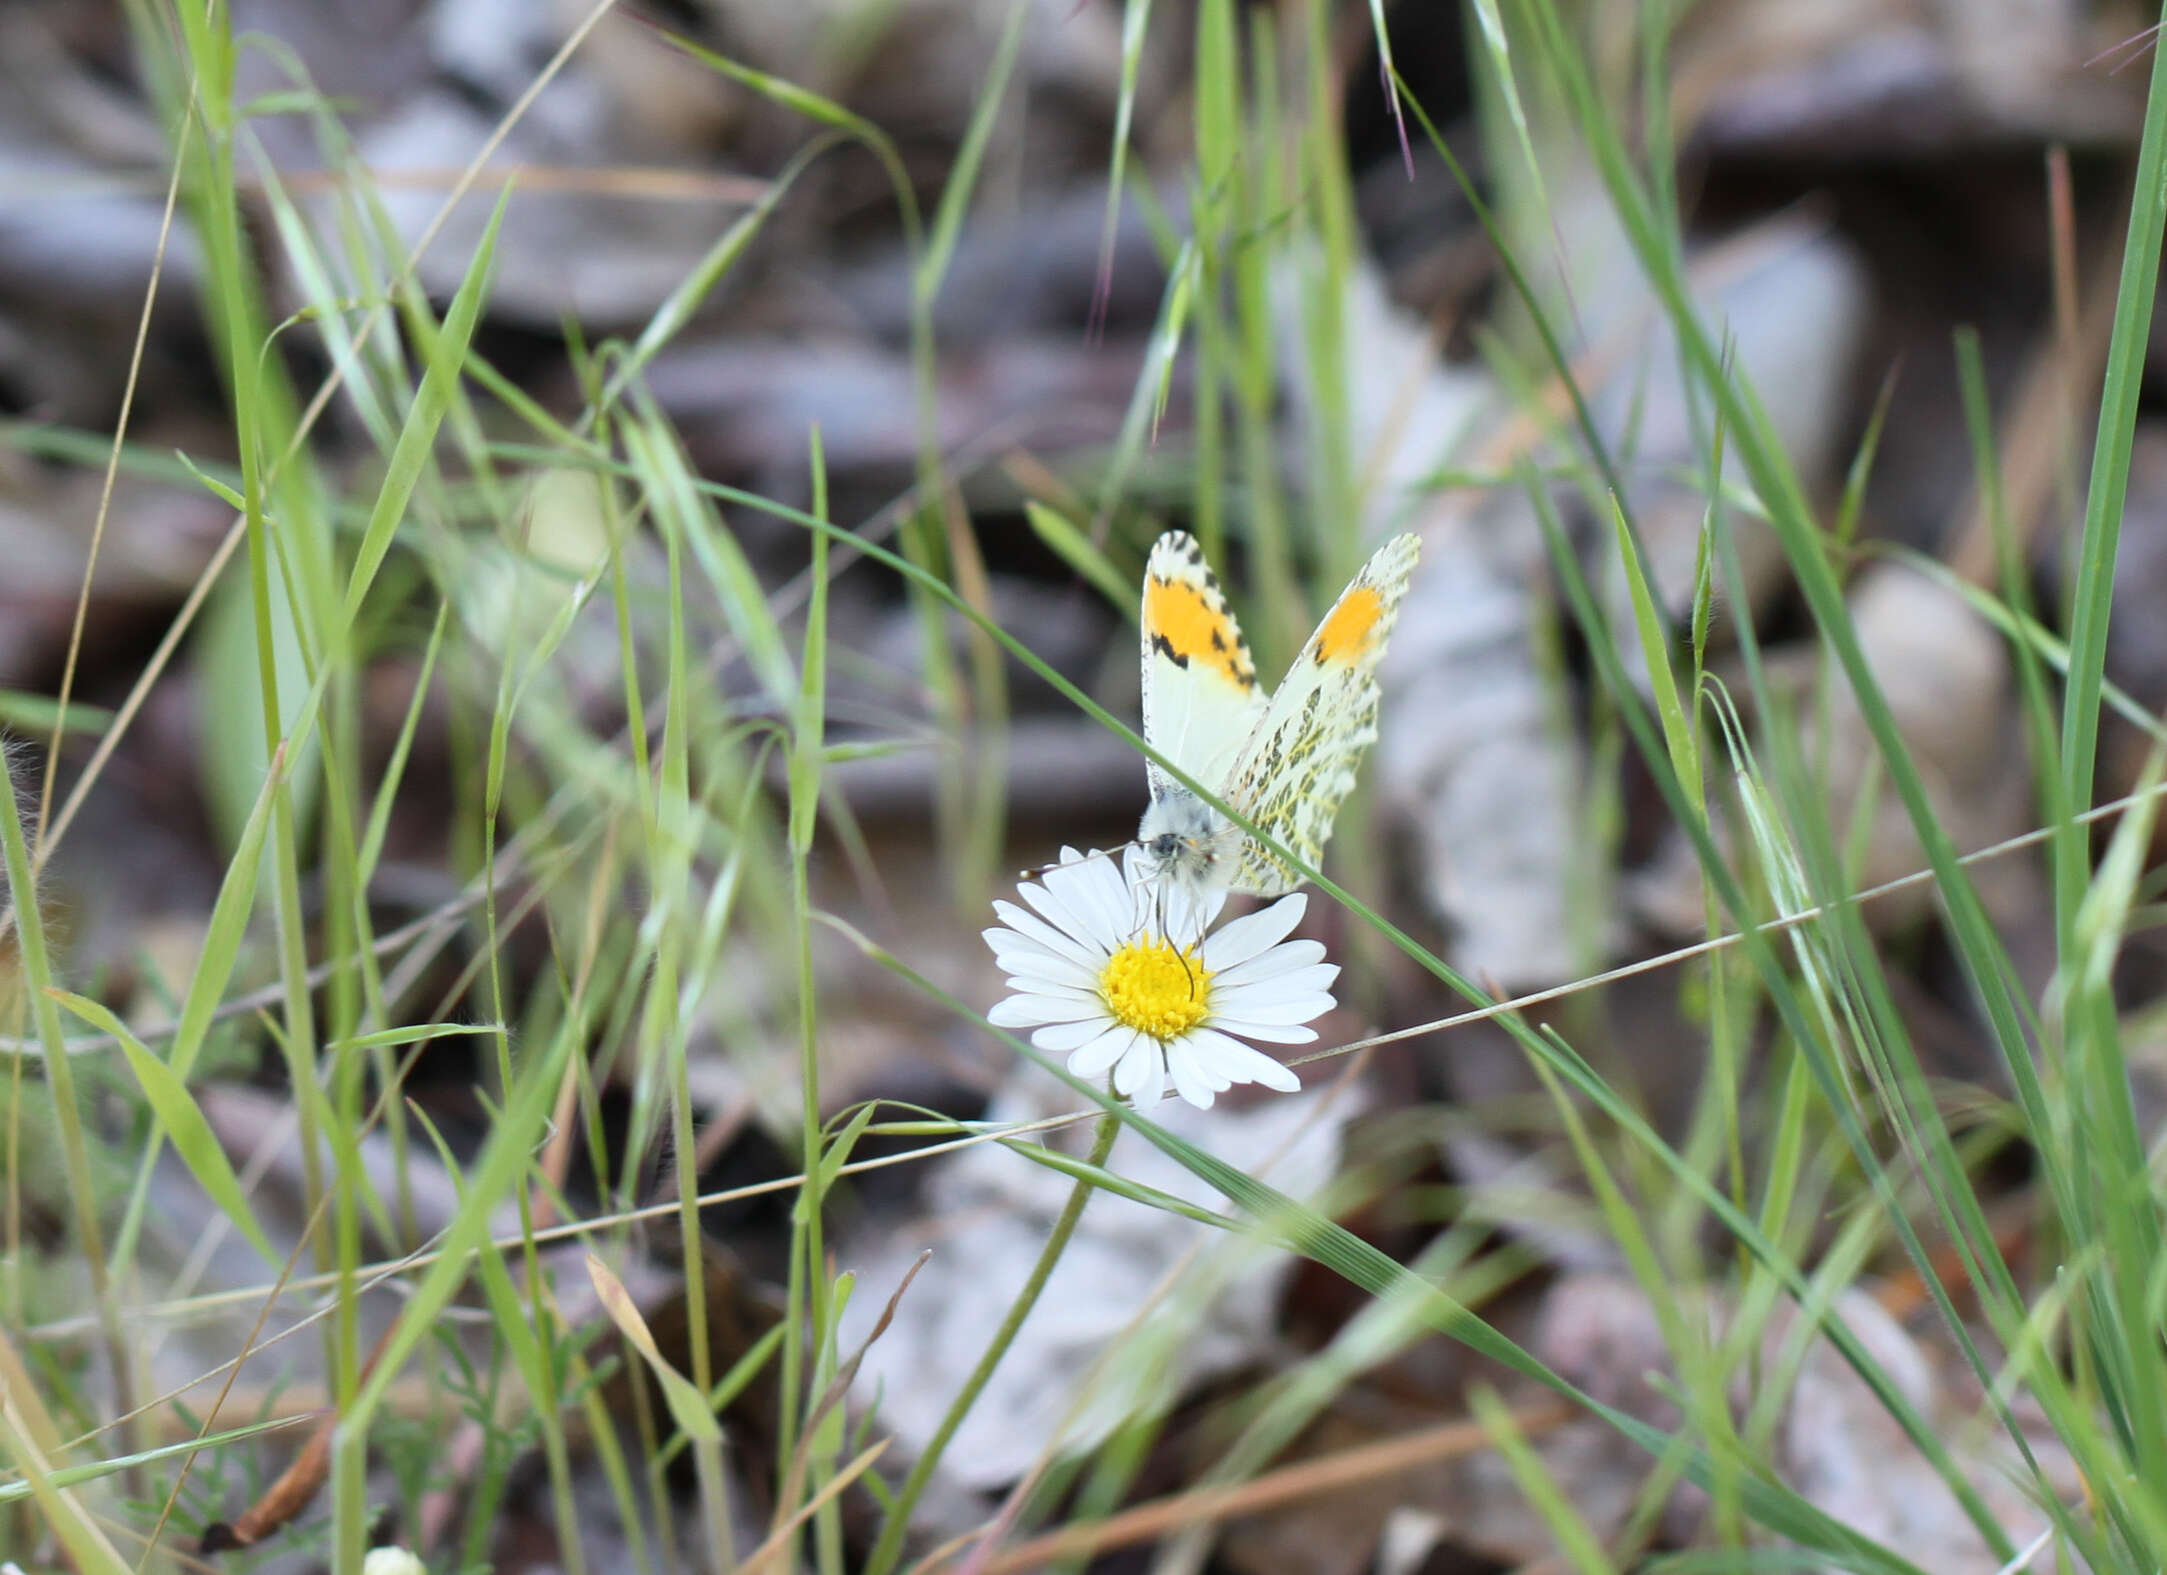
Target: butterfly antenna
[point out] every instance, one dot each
(1039, 872)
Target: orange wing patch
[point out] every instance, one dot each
(1346, 633)
(1189, 624)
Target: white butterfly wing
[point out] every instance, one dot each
(1201, 701)
(1300, 764)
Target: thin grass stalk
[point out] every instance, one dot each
(1217, 75)
(808, 1245)
(669, 847)
(1263, 205)
(889, 1546)
(975, 805)
(2093, 595)
(1333, 501)
(37, 980)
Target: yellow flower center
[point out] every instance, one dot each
(1151, 987)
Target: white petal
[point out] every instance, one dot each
(1032, 927)
(1047, 972)
(1007, 943)
(1040, 936)
(1291, 1009)
(1231, 1059)
(1141, 1074)
(1285, 957)
(1064, 918)
(1182, 1050)
(1060, 1038)
(1095, 891)
(1091, 1060)
(1032, 1011)
(1189, 913)
(1109, 881)
(1254, 932)
(1270, 1033)
(1022, 949)
(1068, 891)
(1051, 990)
(1191, 1078)
(1313, 980)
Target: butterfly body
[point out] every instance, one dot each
(1284, 762)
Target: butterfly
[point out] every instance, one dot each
(1286, 762)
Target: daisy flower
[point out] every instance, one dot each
(1097, 979)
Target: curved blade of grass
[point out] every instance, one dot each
(29, 713)
(687, 1402)
(1497, 50)
(2023, 630)
(1076, 549)
(658, 465)
(96, 1470)
(1648, 622)
(1135, 23)
(417, 436)
(87, 1546)
(822, 111)
(181, 1119)
(807, 755)
(962, 182)
(1146, 401)
(693, 290)
(2093, 598)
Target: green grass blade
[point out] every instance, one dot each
(2093, 597)
(962, 180)
(417, 437)
(180, 1119)
(1076, 549)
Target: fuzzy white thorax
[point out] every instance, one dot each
(1189, 844)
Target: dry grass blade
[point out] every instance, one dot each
(1290, 1484)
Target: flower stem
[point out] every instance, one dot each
(890, 1545)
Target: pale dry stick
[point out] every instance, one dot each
(423, 1257)
(1775, 926)
(779, 1539)
(1289, 1484)
(69, 1328)
(112, 473)
(304, 425)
